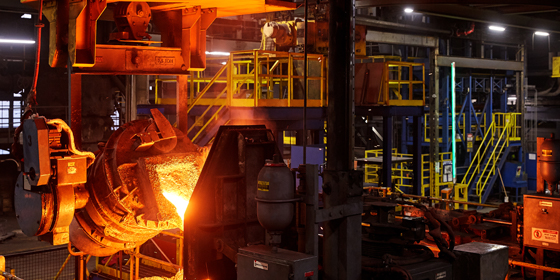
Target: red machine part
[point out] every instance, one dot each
(73, 29)
(132, 19)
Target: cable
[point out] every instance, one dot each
(32, 97)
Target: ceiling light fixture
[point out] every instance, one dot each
(541, 33)
(27, 16)
(496, 28)
(16, 41)
(408, 10)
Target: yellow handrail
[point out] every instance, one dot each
(208, 122)
(402, 172)
(206, 111)
(501, 131)
(388, 83)
(493, 157)
(478, 156)
(224, 67)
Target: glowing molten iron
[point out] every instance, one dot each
(179, 202)
(174, 178)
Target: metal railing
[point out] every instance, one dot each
(254, 78)
(397, 84)
(402, 173)
(504, 128)
(461, 126)
(435, 187)
(134, 259)
(275, 79)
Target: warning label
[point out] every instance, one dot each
(260, 265)
(545, 235)
(263, 186)
(545, 203)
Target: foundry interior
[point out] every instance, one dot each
(279, 139)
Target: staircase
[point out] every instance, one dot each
(206, 123)
(501, 136)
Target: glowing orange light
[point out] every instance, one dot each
(179, 202)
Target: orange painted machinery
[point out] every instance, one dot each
(73, 33)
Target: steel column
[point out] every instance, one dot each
(311, 207)
(76, 108)
(403, 149)
(434, 115)
(468, 118)
(417, 155)
(503, 97)
(279, 135)
(387, 152)
(445, 111)
(130, 105)
(489, 109)
(183, 103)
(342, 237)
(523, 91)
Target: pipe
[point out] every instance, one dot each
(496, 221)
(449, 200)
(535, 266)
(549, 91)
(367, 21)
(32, 98)
(305, 86)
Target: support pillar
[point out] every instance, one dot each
(130, 105)
(468, 120)
(342, 250)
(183, 103)
(76, 108)
(434, 116)
(81, 267)
(404, 135)
(417, 156)
(489, 111)
(279, 134)
(387, 152)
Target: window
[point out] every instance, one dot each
(18, 106)
(116, 120)
(4, 114)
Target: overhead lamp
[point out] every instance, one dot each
(16, 41)
(408, 10)
(26, 16)
(217, 53)
(496, 28)
(541, 33)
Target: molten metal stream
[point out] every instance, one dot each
(179, 202)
